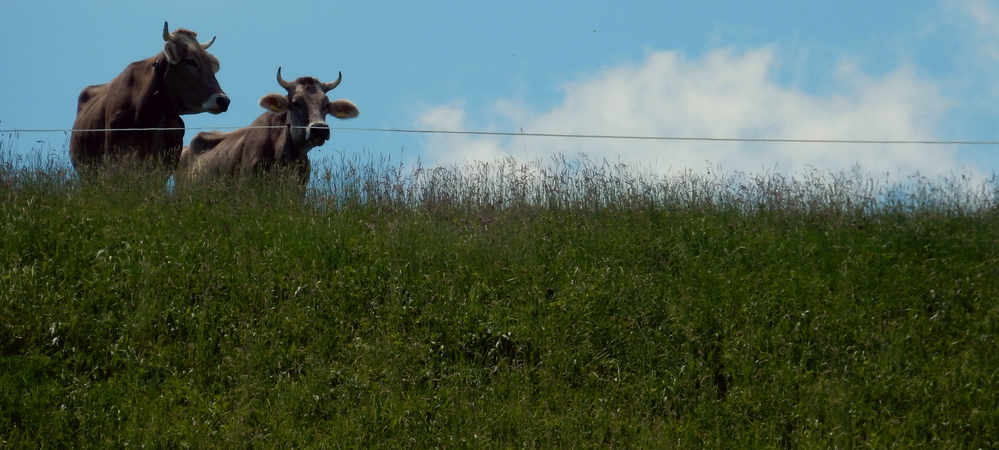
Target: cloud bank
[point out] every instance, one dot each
(985, 17)
(722, 94)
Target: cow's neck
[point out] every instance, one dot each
(159, 98)
(286, 149)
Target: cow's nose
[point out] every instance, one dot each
(319, 131)
(223, 102)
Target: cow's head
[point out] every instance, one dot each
(307, 106)
(190, 73)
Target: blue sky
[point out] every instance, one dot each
(788, 69)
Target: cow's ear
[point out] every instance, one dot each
(274, 102)
(172, 52)
(342, 109)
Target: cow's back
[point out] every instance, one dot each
(242, 152)
(192, 163)
(85, 146)
(212, 154)
(90, 95)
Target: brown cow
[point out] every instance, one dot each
(296, 121)
(151, 93)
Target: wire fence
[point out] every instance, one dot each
(777, 140)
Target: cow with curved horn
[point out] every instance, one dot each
(151, 93)
(278, 139)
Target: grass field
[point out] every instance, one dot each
(570, 304)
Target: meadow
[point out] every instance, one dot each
(563, 303)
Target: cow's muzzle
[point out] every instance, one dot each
(217, 103)
(317, 132)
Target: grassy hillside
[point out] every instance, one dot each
(572, 305)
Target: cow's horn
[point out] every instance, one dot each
(329, 86)
(166, 32)
(284, 84)
(209, 44)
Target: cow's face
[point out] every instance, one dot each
(190, 75)
(307, 106)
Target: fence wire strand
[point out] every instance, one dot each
(538, 134)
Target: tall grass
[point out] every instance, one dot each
(582, 184)
(561, 303)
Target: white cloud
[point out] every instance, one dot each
(982, 12)
(986, 18)
(724, 93)
(465, 147)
